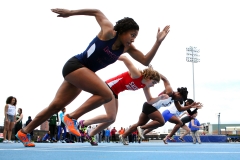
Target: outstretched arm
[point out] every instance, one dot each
(192, 112)
(150, 99)
(168, 89)
(180, 116)
(134, 72)
(164, 95)
(146, 59)
(193, 105)
(106, 26)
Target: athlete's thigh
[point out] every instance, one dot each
(111, 107)
(175, 120)
(66, 93)
(185, 128)
(157, 116)
(186, 119)
(143, 119)
(87, 80)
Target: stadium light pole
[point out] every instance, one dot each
(218, 123)
(193, 56)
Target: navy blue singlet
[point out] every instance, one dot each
(99, 54)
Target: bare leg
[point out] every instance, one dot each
(178, 123)
(71, 87)
(10, 131)
(187, 131)
(65, 94)
(90, 83)
(5, 131)
(111, 109)
(143, 119)
(157, 118)
(146, 131)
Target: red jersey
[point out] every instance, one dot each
(124, 82)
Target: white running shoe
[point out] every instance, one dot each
(140, 132)
(123, 140)
(5, 141)
(10, 142)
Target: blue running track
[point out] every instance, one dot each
(117, 151)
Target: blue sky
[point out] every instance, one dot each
(35, 44)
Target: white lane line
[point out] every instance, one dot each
(194, 152)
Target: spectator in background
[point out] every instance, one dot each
(130, 136)
(61, 127)
(10, 118)
(100, 137)
(18, 124)
(96, 136)
(38, 139)
(53, 125)
(30, 135)
(134, 136)
(107, 135)
(89, 129)
(46, 137)
(194, 126)
(113, 134)
(103, 136)
(73, 138)
(121, 131)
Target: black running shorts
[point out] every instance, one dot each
(148, 108)
(185, 119)
(71, 65)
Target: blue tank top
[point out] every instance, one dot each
(99, 54)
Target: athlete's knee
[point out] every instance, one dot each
(188, 130)
(107, 99)
(111, 118)
(138, 124)
(161, 123)
(55, 107)
(106, 95)
(180, 123)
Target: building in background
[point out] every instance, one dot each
(44, 126)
